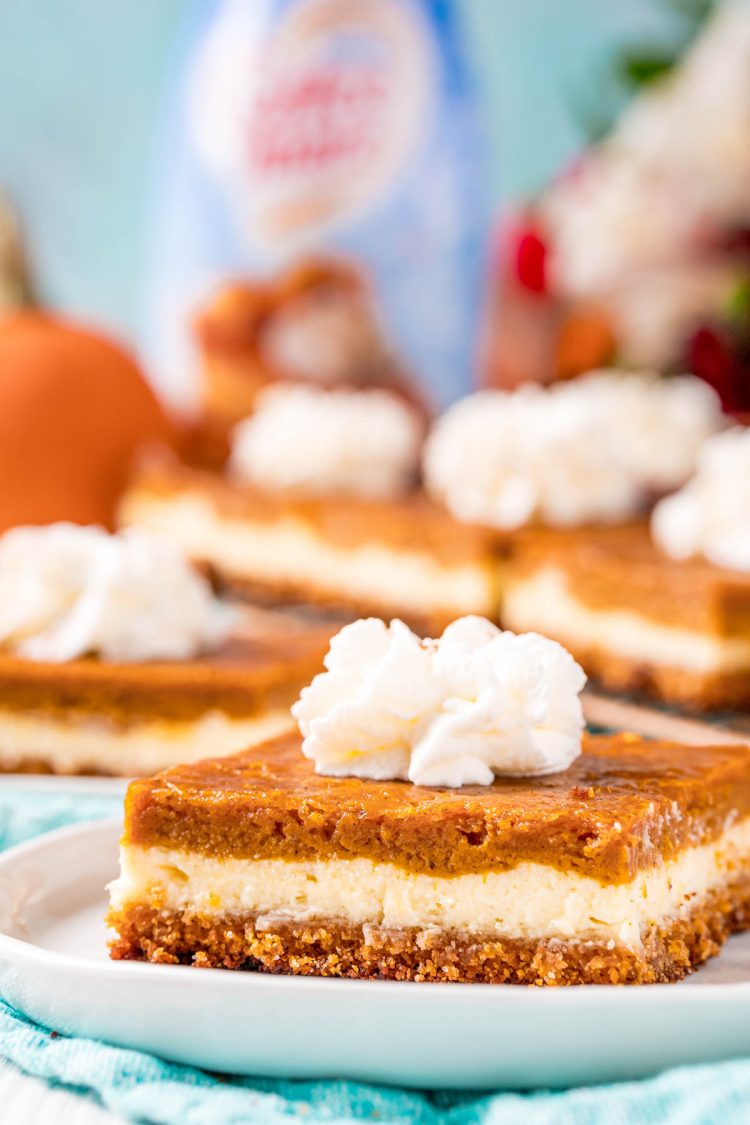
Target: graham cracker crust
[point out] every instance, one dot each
(335, 949)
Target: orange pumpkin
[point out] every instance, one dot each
(74, 411)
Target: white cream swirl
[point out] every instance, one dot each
(70, 591)
(508, 459)
(362, 443)
(655, 427)
(588, 451)
(710, 516)
(475, 704)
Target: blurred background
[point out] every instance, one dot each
(84, 88)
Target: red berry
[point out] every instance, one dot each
(531, 261)
(711, 357)
(738, 241)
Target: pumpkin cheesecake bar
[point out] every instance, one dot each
(662, 608)
(321, 499)
(631, 867)
(90, 716)
(441, 816)
(359, 554)
(116, 658)
(636, 620)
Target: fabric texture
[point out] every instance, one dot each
(142, 1088)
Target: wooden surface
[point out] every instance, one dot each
(29, 1101)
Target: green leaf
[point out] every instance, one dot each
(738, 303)
(642, 69)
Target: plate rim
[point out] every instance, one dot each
(18, 948)
(58, 783)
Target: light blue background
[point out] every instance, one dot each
(82, 82)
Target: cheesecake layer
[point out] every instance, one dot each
(624, 806)
(41, 743)
(620, 569)
(529, 901)
(330, 948)
(626, 653)
(297, 558)
(409, 522)
(544, 602)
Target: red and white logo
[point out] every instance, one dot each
(307, 127)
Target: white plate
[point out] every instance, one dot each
(54, 966)
(60, 784)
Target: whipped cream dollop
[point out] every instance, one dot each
(509, 459)
(70, 591)
(363, 443)
(475, 704)
(588, 451)
(710, 516)
(655, 427)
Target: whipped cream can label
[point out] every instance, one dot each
(342, 127)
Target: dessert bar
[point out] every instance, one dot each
(629, 867)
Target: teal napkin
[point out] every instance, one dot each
(142, 1088)
(28, 812)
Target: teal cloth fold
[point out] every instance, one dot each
(143, 1088)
